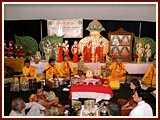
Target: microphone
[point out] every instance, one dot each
(47, 69)
(120, 65)
(68, 65)
(127, 73)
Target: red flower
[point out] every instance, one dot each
(135, 56)
(28, 54)
(112, 56)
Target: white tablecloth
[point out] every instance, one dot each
(93, 95)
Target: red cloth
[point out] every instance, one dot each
(85, 53)
(74, 51)
(60, 57)
(101, 58)
(101, 79)
(90, 88)
(97, 52)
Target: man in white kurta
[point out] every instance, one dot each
(20, 108)
(143, 108)
(39, 66)
(39, 69)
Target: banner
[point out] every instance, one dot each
(70, 28)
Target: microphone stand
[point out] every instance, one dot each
(127, 73)
(126, 81)
(69, 71)
(59, 86)
(45, 74)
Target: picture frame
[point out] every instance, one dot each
(120, 45)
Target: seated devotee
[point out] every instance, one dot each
(29, 71)
(114, 109)
(20, 108)
(142, 108)
(39, 69)
(66, 67)
(150, 75)
(52, 70)
(128, 105)
(48, 100)
(118, 71)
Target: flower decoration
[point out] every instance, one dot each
(135, 56)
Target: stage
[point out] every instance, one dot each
(131, 67)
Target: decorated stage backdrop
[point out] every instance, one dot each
(70, 28)
(93, 48)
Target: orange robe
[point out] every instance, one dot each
(89, 50)
(118, 72)
(66, 68)
(85, 53)
(29, 72)
(74, 51)
(53, 72)
(101, 58)
(149, 76)
(60, 51)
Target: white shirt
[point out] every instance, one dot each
(39, 67)
(35, 110)
(142, 109)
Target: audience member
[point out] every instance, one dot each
(128, 105)
(29, 70)
(52, 70)
(142, 108)
(66, 67)
(20, 108)
(48, 100)
(114, 109)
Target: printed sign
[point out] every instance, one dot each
(70, 28)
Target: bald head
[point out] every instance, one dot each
(17, 104)
(36, 60)
(119, 61)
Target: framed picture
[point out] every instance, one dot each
(121, 44)
(76, 104)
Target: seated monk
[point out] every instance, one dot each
(118, 71)
(39, 69)
(28, 70)
(66, 67)
(52, 70)
(48, 100)
(150, 74)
